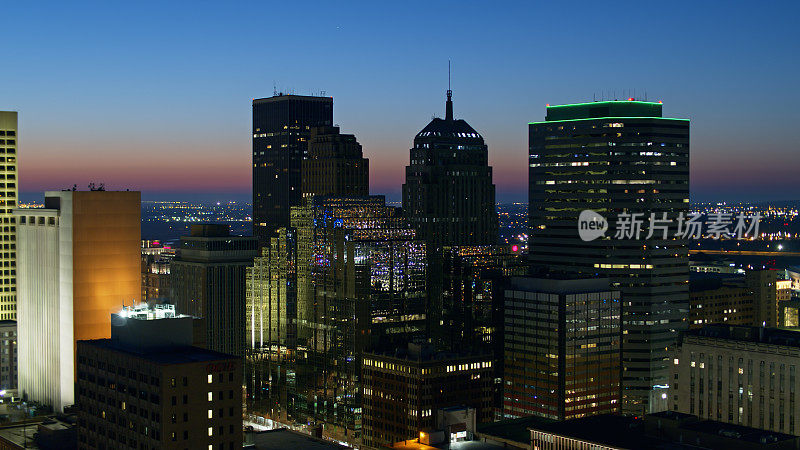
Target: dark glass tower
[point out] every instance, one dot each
(617, 157)
(281, 128)
(448, 193)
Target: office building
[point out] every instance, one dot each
(663, 430)
(8, 355)
(733, 299)
(448, 193)
(9, 143)
(148, 387)
(740, 375)
(618, 157)
(562, 348)
(78, 260)
(281, 129)
(208, 281)
(271, 324)
(468, 285)
(405, 389)
(360, 272)
(335, 165)
(155, 270)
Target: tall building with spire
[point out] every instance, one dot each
(448, 193)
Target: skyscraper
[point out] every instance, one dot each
(562, 348)
(79, 260)
(335, 165)
(616, 157)
(8, 201)
(448, 193)
(281, 129)
(349, 276)
(208, 281)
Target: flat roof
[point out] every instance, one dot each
(746, 333)
(173, 355)
(282, 439)
(462, 445)
(515, 430)
(609, 109)
(280, 97)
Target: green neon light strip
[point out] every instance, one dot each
(605, 118)
(605, 101)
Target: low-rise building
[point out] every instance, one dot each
(663, 430)
(740, 375)
(148, 387)
(735, 299)
(404, 390)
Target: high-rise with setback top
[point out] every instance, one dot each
(617, 157)
(281, 129)
(335, 165)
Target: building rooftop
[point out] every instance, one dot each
(282, 439)
(172, 355)
(743, 333)
(463, 445)
(514, 430)
(705, 281)
(629, 108)
(449, 128)
(615, 109)
(728, 430)
(632, 432)
(281, 96)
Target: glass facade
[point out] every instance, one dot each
(613, 158)
(360, 285)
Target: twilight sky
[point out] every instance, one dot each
(158, 97)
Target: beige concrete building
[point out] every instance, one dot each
(78, 261)
(740, 375)
(8, 201)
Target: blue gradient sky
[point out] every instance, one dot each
(158, 97)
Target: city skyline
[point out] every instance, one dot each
(161, 103)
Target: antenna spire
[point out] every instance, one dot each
(449, 105)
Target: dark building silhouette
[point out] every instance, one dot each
(148, 387)
(448, 193)
(208, 281)
(617, 157)
(281, 128)
(335, 165)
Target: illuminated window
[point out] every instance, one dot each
(210, 396)
(210, 378)
(210, 414)
(210, 431)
